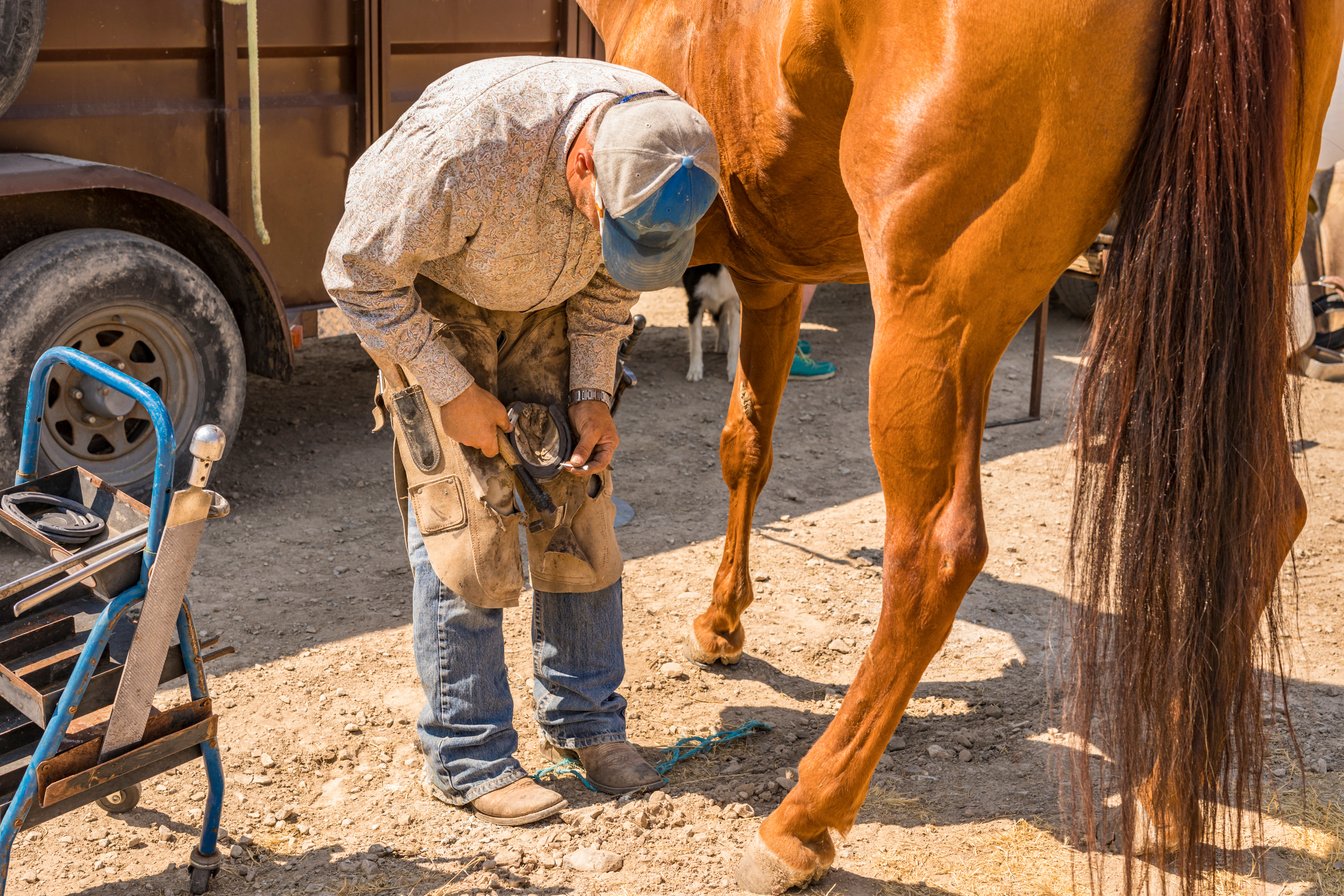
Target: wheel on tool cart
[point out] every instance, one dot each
(121, 801)
(20, 33)
(200, 879)
(143, 308)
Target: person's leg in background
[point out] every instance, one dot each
(804, 366)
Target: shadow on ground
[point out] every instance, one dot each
(1006, 721)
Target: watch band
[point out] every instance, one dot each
(578, 395)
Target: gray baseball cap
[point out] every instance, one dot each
(657, 170)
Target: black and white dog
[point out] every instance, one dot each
(709, 288)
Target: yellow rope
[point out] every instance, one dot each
(254, 103)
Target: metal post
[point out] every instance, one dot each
(214, 768)
(1041, 315)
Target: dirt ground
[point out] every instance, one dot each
(308, 580)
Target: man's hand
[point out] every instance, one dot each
(472, 419)
(597, 436)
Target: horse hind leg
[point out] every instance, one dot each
(770, 315)
(926, 445)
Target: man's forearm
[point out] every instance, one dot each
(592, 360)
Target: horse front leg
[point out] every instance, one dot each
(770, 316)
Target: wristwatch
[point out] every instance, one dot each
(578, 395)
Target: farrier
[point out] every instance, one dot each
(493, 243)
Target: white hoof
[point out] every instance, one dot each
(761, 871)
(695, 654)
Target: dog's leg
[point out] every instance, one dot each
(696, 371)
(730, 329)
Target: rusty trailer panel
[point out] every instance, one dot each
(160, 87)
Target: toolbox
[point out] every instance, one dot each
(86, 639)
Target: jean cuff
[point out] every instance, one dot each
(453, 798)
(579, 743)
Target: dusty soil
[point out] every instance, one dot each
(308, 580)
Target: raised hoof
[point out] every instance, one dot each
(761, 871)
(723, 653)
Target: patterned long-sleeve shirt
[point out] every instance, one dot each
(468, 189)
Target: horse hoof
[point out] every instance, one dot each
(761, 871)
(1146, 843)
(723, 652)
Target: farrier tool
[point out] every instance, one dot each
(548, 513)
(187, 514)
(92, 559)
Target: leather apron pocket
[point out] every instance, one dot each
(471, 539)
(581, 554)
(463, 508)
(439, 505)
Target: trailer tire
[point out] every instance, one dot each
(20, 34)
(138, 305)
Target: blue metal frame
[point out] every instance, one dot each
(166, 449)
(107, 620)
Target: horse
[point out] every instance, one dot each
(931, 147)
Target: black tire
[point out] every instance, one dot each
(20, 34)
(129, 301)
(1077, 294)
(200, 880)
(121, 801)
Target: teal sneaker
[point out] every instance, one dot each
(805, 368)
(804, 346)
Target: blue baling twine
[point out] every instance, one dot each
(686, 748)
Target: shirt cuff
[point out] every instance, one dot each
(440, 374)
(592, 362)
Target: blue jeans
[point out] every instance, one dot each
(466, 728)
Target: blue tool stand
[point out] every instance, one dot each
(61, 661)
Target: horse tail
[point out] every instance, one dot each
(1181, 429)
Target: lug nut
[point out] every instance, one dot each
(90, 419)
(121, 365)
(121, 417)
(77, 394)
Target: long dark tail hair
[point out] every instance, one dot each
(1182, 421)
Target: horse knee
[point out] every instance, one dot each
(744, 451)
(953, 550)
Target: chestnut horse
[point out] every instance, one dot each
(955, 155)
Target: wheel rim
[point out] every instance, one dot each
(87, 424)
